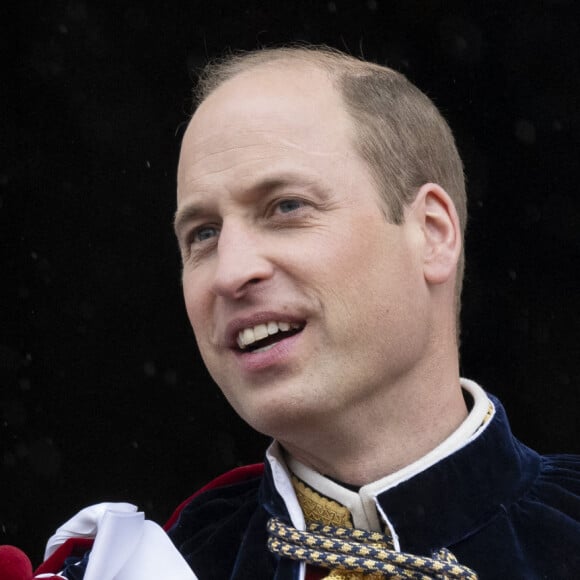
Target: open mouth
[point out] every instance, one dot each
(263, 336)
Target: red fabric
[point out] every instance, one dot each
(72, 547)
(236, 475)
(14, 564)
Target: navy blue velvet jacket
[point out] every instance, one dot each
(502, 509)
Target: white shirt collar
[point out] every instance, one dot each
(362, 504)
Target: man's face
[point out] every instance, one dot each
(304, 301)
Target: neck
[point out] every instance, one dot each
(380, 436)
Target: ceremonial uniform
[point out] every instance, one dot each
(502, 510)
(496, 508)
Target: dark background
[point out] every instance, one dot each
(103, 396)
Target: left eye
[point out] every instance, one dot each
(289, 205)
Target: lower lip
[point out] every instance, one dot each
(278, 354)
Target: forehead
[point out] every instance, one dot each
(267, 112)
(288, 94)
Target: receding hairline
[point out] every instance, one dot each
(328, 77)
(323, 58)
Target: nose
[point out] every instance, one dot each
(242, 261)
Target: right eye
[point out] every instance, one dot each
(202, 234)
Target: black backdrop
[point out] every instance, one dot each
(103, 396)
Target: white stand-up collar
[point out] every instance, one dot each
(363, 505)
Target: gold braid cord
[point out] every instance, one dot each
(359, 551)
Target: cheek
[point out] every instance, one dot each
(198, 315)
(375, 282)
(195, 305)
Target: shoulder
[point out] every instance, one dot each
(232, 483)
(557, 486)
(550, 498)
(546, 519)
(207, 528)
(231, 497)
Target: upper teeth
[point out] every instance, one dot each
(252, 334)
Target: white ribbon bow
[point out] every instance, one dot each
(126, 547)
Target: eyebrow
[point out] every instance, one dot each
(184, 215)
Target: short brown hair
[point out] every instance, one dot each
(400, 133)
